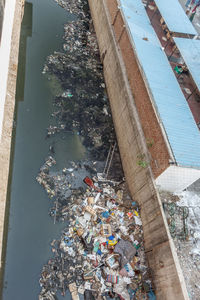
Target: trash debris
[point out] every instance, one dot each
(182, 212)
(73, 290)
(177, 220)
(126, 250)
(98, 256)
(101, 219)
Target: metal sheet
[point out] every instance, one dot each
(190, 52)
(135, 6)
(171, 106)
(138, 21)
(174, 16)
(181, 130)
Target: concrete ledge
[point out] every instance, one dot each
(10, 44)
(161, 254)
(5, 48)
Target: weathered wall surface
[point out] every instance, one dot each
(8, 112)
(150, 123)
(160, 252)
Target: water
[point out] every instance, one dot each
(30, 229)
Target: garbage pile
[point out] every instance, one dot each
(60, 184)
(177, 219)
(182, 211)
(101, 252)
(82, 106)
(73, 6)
(64, 186)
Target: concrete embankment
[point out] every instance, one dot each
(9, 48)
(160, 250)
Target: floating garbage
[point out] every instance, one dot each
(100, 253)
(101, 219)
(82, 105)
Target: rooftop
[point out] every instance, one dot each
(175, 17)
(190, 51)
(172, 109)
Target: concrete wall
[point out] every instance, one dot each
(160, 252)
(8, 61)
(5, 47)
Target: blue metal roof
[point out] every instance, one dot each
(138, 21)
(171, 106)
(190, 51)
(135, 6)
(174, 16)
(140, 25)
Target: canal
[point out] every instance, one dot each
(30, 228)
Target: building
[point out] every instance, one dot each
(172, 136)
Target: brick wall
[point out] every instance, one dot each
(159, 155)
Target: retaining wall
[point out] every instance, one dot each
(160, 252)
(13, 12)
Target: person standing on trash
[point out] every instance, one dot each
(194, 10)
(188, 3)
(197, 5)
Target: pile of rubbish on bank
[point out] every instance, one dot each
(101, 253)
(183, 216)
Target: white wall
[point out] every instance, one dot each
(5, 47)
(176, 179)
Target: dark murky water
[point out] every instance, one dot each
(30, 227)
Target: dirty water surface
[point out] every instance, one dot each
(30, 228)
(67, 177)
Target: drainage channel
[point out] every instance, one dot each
(64, 132)
(42, 129)
(30, 229)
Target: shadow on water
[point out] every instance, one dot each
(26, 31)
(30, 229)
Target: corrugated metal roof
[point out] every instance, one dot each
(138, 21)
(174, 16)
(190, 51)
(171, 106)
(139, 24)
(134, 6)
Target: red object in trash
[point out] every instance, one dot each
(87, 180)
(120, 297)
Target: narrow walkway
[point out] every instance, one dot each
(184, 79)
